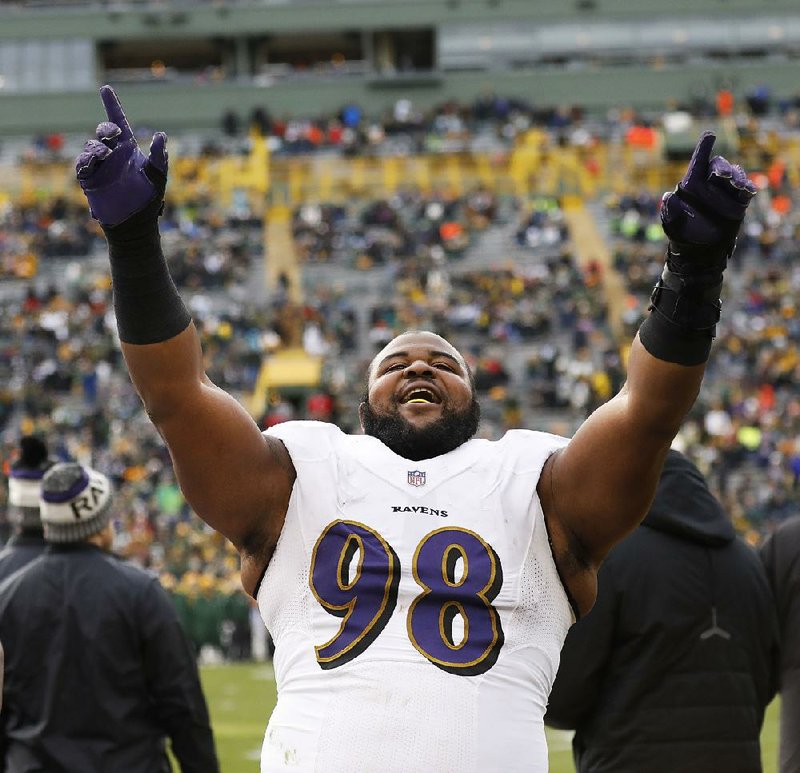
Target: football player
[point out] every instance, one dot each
(407, 641)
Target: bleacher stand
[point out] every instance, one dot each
(496, 272)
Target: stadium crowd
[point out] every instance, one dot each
(536, 332)
(743, 431)
(491, 123)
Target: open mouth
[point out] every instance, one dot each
(420, 395)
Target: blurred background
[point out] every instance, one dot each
(342, 170)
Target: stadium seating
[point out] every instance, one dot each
(536, 256)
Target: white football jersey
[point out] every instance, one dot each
(415, 607)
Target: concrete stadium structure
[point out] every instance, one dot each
(183, 65)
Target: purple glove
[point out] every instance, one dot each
(707, 206)
(115, 175)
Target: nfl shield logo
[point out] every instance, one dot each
(416, 478)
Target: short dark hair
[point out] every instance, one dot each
(419, 331)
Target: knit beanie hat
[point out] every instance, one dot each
(75, 503)
(25, 483)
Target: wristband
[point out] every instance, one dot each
(147, 304)
(684, 312)
(666, 342)
(697, 260)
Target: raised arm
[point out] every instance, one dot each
(235, 479)
(599, 487)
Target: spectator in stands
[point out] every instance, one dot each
(781, 556)
(98, 669)
(744, 427)
(64, 339)
(24, 486)
(673, 668)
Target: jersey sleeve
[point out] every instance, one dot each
(307, 441)
(529, 450)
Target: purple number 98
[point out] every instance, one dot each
(355, 575)
(364, 595)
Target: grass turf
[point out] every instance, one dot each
(241, 696)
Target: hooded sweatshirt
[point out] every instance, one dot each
(674, 666)
(781, 556)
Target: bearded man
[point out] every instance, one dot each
(418, 583)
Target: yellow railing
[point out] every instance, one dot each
(535, 165)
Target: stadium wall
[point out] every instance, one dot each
(593, 53)
(181, 106)
(164, 19)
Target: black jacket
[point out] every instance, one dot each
(19, 551)
(98, 671)
(781, 556)
(673, 668)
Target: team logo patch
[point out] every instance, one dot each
(416, 478)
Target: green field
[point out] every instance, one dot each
(241, 697)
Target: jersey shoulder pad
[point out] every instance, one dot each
(307, 440)
(528, 450)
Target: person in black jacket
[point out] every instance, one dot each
(98, 671)
(24, 486)
(673, 668)
(781, 556)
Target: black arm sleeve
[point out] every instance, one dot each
(174, 684)
(147, 304)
